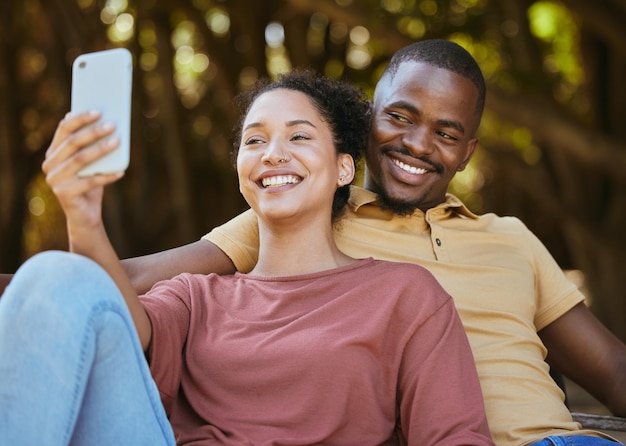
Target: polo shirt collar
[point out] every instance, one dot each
(452, 205)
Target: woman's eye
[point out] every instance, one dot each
(253, 140)
(300, 137)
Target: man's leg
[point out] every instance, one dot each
(71, 366)
(575, 440)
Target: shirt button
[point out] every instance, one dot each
(438, 242)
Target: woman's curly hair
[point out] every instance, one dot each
(343, 106)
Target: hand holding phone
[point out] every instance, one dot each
(102, 81)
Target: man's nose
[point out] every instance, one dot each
(418, 140)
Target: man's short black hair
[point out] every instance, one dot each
(442, 54)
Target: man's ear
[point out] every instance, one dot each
(470, 148)
(346, 169)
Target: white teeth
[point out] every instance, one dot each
(409, 169)
(280, 180)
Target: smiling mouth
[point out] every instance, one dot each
(280, 180)
(409, 169)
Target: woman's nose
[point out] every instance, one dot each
(274, 154)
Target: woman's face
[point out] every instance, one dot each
(287, 163)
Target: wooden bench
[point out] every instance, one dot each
(592, 421)
(600, 422)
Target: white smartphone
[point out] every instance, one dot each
(102, 81)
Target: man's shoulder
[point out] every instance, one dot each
(506, 225)
(403, 272)
(457, 211)
(400, 279)
(501, 221)
(394, 267)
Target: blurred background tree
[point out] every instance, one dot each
(552, 146)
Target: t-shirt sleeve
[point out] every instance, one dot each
(169, 310)
(555, 293)
(239, 239)
(440, 396)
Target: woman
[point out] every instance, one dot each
(311, 347)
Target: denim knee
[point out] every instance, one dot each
(57, 268)
(57, 278)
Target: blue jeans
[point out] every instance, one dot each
(72, 370)
(575, 440)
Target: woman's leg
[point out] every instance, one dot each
(71, 366)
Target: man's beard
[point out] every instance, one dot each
(398, 207)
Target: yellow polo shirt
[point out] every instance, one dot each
(505, 284)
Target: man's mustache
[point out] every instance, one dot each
(438, 168)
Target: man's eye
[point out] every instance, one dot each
(398, 117)
(445, 135)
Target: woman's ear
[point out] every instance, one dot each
(347, 169)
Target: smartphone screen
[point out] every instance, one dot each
(102, 81)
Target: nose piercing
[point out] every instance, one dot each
(282, 160)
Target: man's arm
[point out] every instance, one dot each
(584, 350)
(201, 257)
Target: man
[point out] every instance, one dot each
(512, 297)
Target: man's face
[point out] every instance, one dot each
(424, 119)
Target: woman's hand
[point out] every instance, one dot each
(79, 140)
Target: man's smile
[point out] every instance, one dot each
(412, 165)
(409, 169)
